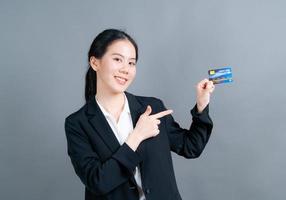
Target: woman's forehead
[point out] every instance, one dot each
(122, 47)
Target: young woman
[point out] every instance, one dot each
(120, 143)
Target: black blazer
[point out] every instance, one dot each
(106, 168)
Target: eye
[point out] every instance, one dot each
(117, 59)
(132, 63)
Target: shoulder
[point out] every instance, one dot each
(78, 114)
(147, 100)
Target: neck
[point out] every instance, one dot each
(112, 102)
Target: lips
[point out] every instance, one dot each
(121, 80)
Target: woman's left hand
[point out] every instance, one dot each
(204, 90)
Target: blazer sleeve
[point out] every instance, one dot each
(99, 177)
(189, 142)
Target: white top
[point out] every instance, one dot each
(121, 130)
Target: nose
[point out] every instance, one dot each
(124, 69)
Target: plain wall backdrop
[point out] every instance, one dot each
(43, 50)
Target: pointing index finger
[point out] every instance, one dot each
(162, 114)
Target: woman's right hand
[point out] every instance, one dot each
(146, 127)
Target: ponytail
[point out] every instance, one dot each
(90, 84)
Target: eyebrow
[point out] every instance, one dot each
(118, 54)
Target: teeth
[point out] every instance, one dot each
(122, 79)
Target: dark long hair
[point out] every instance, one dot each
(98, 49)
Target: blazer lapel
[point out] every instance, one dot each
(136, 109)
(100, 124)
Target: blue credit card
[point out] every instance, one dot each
(221, 75)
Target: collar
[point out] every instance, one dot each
(133, 104)
(107, 114)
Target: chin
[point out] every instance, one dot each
(119, 90)
(116, 88)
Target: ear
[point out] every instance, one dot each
(94, 63)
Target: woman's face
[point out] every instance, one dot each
(117, 67)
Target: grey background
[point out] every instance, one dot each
(43, 48)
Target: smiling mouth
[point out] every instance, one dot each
(121, 80)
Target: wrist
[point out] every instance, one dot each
(133, 140)
(199, 108)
